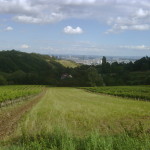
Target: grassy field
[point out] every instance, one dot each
(73, 119)
(68, 63)
(136, 92)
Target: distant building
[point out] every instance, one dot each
(66, 76)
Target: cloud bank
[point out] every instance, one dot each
(137, 47)
(119, 15)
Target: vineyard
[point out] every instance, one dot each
(136, 92)
(18, 91)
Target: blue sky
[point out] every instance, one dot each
(87, 27)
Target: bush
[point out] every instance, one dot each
(3, 81)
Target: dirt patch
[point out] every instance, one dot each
(9, 120)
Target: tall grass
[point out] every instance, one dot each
(60, 140)
(82, 112)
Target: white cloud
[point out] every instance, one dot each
(138, 47)
(54, 17)
(133, 14)
(25, 46)
(71, 30)
(117, 28)
(9, 28)
(140, 27)
(142, 13)
(27, 19)
(79, 2)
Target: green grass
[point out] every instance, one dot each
(68, 63)
(59, 140)
(18, 91)
(136, 92)
(80, 112)
(73, 119)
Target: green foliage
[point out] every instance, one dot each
(23, 68)
(93, 77)
(3, 81)
(143, 64)
(137, 73)
(83, 76)
(59, 140)
(136, 92)
(18, 91)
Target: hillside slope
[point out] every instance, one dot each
(24, 68)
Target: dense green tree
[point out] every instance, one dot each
(3, 81)
(94, 78)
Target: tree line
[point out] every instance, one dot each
(24, 68)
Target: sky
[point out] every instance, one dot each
(80, 27)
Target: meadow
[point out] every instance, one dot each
(68, 63)
(74, 119)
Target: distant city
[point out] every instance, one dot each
(96, 60)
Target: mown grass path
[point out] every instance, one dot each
(9, 116)
(80, 112)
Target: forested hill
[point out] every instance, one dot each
(24, 68)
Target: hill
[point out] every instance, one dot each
(30, 68)
(24, 68)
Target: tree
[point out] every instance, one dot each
(3, 81)
(18, 77)
(94, 78)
